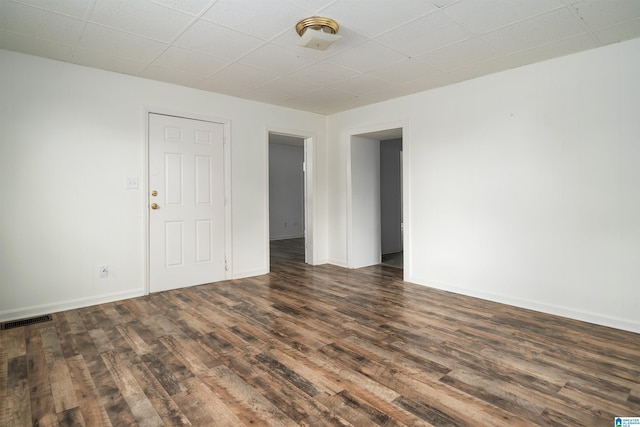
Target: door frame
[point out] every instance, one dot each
(228, 251)
(310, 255)
(406, 190)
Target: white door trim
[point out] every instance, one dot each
(309, 193)
(227, 185)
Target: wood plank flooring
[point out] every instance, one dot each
(315, 346)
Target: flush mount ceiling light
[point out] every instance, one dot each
(317, 32)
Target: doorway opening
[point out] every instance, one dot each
(376, 223)
(289, 181)
(391, 220)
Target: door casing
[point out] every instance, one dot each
(377, 131)
(309, 192)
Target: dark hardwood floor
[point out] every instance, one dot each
(316, 346)
(395, 259)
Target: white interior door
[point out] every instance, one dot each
(186, 202)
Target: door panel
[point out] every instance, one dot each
(174, 238)
(173, 179)
(187, 230)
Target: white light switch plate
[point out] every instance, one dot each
(132, 183)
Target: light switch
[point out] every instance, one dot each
(132, 183)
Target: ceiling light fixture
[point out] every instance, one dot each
(317, 32)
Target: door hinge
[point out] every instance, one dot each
(304, 166)
(226, 268)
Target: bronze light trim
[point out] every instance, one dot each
(319, 23)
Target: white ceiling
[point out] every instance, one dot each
(246, 48)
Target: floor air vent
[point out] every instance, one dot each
(26, 322)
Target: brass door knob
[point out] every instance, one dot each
(154, 206)
(154, 193)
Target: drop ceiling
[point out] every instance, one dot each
(247, 48)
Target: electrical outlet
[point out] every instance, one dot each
(103, 271)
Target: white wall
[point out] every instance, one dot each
(520, 187)
(70, 137)
(365, 202)
(286, 191)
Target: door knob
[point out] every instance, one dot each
(154, 206)
(154, 193)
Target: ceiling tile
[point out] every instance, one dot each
(192, 7)
(442, 3)
(482, 68)
(487, 15)
(186, 60)
(105, 61)
(140, 17)
(557, 48)
(323, 101)
(248, 16)
(74, 8)
(536, 31)
(283, 88)
(362, 85)
(238, 78)
(117, 43)
(404, 71)
(172, 75)
(312, 6)
(625, 31)
(386, 94)
(599, 14)
(33, 46)
(374, 17)
(324, 73)
(367, 56)
(213, 39)
(246, 48)
(459, 54)
(431, 82)
(276, 58)
(422, 35)
(38, 23)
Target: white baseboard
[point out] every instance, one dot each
(568, 312)
(38, 310)
(253, 273)
(338, 263)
